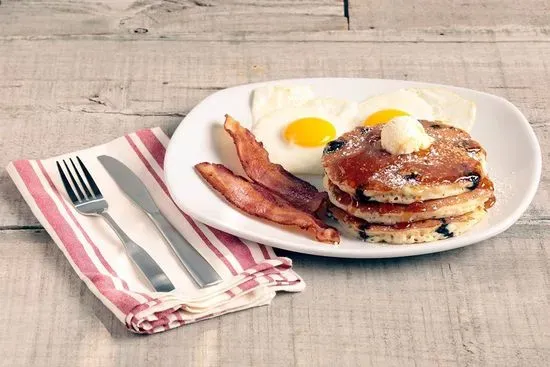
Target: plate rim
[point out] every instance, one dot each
(385, 251)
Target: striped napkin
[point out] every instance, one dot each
(251, 272)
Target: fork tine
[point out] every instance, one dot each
(75, 184)
(84, 186)
(68, 187)
(91, 181)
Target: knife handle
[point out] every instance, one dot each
(202, 272)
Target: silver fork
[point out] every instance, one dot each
(93, 203)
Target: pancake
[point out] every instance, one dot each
(407, 233)
(390, 213)
(452, 165)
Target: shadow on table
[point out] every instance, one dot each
(331, 263)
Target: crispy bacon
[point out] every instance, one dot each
(258, 201)
(256, 164)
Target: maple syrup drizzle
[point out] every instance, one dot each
(360, 160)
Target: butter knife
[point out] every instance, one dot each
(200, 270)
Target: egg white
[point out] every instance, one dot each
(270, 98)
(449, 107)
(269, 130)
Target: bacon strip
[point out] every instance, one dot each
(258, 201)
(255, 161)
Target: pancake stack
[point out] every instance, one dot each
(432, 194)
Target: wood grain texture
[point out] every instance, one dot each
(84, 92)
(81, 72)
(481, 305)
(467, 14)
(150, 17)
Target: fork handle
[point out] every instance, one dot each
(201, 271)
(150, 269)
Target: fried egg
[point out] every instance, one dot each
(421, 103)
(295, 136)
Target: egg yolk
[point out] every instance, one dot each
(383, 116)
(309, 132)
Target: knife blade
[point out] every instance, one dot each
(200, 270)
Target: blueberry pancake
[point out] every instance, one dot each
(454, 164)
(390, 213)
(407, 233)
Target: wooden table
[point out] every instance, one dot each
(78, 73)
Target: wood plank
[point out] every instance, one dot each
(69, 94)
(149, 17)
(240, 18)
(244, 19)
(98, 75)
(449, 14)
(482, 305)
(428, 35)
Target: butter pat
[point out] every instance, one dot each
(404, 135)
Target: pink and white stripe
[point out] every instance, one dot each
(252, 272)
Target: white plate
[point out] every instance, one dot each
(513, 151)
